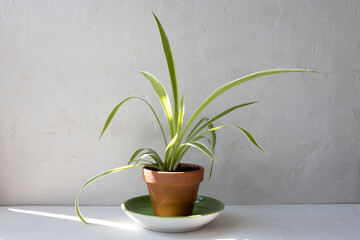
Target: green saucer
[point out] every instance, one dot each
(203, 206)
(140, 210)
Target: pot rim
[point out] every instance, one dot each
(201, 168)
(174, 178)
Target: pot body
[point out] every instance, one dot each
(173, 193)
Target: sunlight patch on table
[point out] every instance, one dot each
(126, 226)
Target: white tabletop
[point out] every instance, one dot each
(236, 222)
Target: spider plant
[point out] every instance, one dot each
(181, 136)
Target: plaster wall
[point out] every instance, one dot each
(65, 64)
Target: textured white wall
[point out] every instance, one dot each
(65, 64)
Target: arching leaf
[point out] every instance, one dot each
(113, 112)
(232, 84)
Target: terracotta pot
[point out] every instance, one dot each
(173, 193)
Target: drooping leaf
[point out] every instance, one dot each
(252, 139)
(96, 177)
(243, 130)
(113, 112)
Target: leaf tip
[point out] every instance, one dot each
(157, 20)
(101, 135)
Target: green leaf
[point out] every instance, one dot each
(96, 177)
(232, 84)
(142, 158)
(196, 126)
(152, 153)
(243, 130)
(197, 145)
(182, 149)
(252, 139)
(171, 67)
(171, 143)
(220, 115)
(212, 144)
(213, 138)
(212, 147)
(163, 97)
(182, 112)
(180, 122)
(113, 112)
(151, 166)
(167, 151)
(206, 138)
(135, 154)
(156, 158)
(179, 153)
(201, 147)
